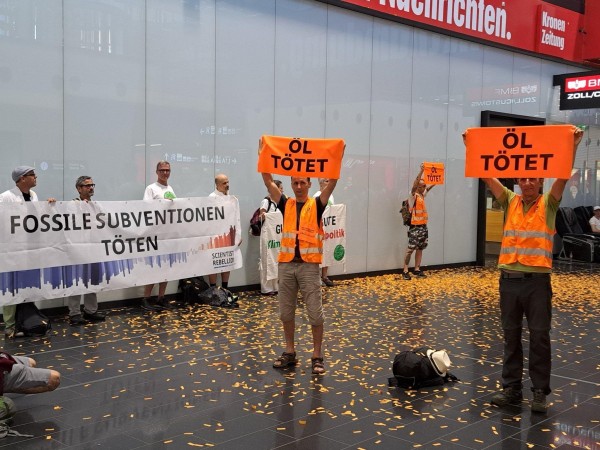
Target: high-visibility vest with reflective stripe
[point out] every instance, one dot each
(527, 238)
(310, 233)
(419, 212)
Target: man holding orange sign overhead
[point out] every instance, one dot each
(418, 234)
(525, 260)
(301, 249)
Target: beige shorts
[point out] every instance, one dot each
(23, 376)
(306, 278)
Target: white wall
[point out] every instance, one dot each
(199, 81)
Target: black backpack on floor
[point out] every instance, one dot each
(414, 370)
(31, 321)
(191, 288)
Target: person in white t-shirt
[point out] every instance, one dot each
(595, 220)
(323, 182)
(25, 180)
(221, 190)
(268, 287)
(158, 190)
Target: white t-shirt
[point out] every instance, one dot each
(216, 193)
(594, 222)
(329, 202)
(157, 191)
(15, 195)
(268, 205)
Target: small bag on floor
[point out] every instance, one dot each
(221, 297)
(192, 288)
(31, 321)
(421, 367)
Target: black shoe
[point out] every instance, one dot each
(419, 274)
(77, 320)
(94, 317)
(539, 404)
(508, 396)
(148, 306)
(327, 282)
(163, 303)
(406, 275)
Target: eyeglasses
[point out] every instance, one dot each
(30, 175)
(163, 170)
(88, 185)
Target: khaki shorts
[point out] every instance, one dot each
(306, 278)
(23, 376)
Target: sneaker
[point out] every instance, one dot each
(327, 282)
(148, 306)
(163, 303)
(77, 320)
(94, 317)
(539, 404)
(508, 396)
(10, 333)
(406, 275)
(419, 274)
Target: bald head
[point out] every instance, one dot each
(222, 183)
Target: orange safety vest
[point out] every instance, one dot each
(310, 235)
(526, 238)
(419, 211)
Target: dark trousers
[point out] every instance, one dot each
(531, 297)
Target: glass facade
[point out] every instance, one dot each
(107, 88)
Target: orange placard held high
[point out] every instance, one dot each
(520, 152)
(433, 172)
(301, 157)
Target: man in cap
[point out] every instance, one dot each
(85, 187)
(595, 220)
(25, 179)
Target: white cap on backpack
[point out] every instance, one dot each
(440, 361)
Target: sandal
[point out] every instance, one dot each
(285, 360)
(318, 368)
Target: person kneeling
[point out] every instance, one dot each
(19, 375)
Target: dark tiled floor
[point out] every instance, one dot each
(201, 377)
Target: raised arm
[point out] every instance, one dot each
(559, 184)
(495, 186)
(272, 188)
(326, 193)
(417, 181)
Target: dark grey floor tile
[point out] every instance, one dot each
(202, 376)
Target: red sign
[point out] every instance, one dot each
(577, 84)
(530, 25)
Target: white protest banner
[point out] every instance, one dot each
(270, 243)
(68, 248)
(334, 243)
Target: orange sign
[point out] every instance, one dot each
(433, 173)
(301, 157)
(544, 151)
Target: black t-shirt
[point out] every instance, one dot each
(27, 196)
(281, 207)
